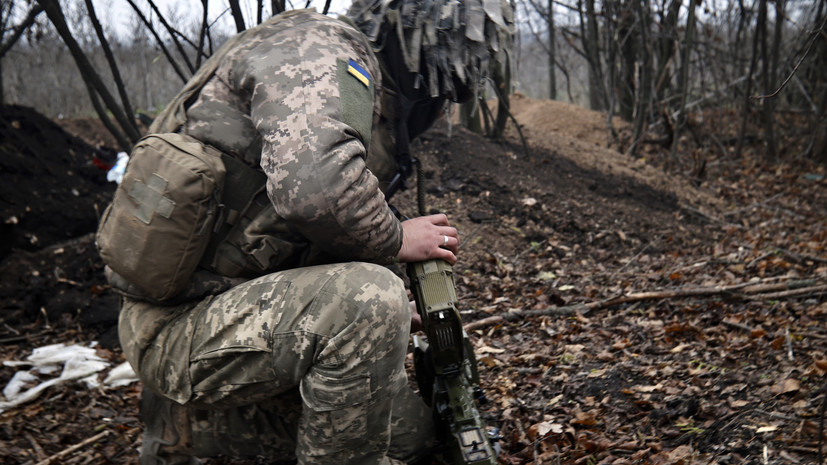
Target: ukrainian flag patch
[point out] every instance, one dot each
(358, 72)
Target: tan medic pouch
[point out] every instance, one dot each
(159, 223)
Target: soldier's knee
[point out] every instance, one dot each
(376, 287)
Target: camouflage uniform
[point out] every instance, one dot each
(307, 362)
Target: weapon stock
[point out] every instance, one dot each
(446, 368)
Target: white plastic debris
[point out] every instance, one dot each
(121, 375)
(74, 362)
(115, 174)
(17, 383)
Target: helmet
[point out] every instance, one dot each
(458, 40)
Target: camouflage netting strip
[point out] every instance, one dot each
(455, 38)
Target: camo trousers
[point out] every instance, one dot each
(310, 359)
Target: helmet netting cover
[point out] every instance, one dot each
(455, 38)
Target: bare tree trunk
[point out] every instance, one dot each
(683, 77)
(767, 116)
(202, 33)
(96, 103)
(818, 143)
(160, 42)
(502, 81)
(90, 76)
(326, 8)
(665, 46)
(237, 16)
(644, 93)
(591, 46)
(628, 52)
(113, 67)
(469, 115)
(771, 81)
(753, 61)
(174, 35)
(277, 6)
(17, 32)
(552, 69)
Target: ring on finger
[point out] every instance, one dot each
(445, 240)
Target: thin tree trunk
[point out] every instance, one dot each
(552, 71)
(767, 117)
(753, 61)
(818, 142)
(113, 68)
(611, 66)
(235, 9)
(469, 115)
(101, 111)
(628, 55)
(87, 71)
(683, 78)
(202, 33)
(591, 47)
(160, 42)
(174, 34)
(19, 29)
(644, 93)
(780, 14)
(502, 79)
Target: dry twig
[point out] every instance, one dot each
(71, 449)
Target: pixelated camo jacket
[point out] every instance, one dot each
(299, 96)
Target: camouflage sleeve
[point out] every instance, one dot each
(314, 139)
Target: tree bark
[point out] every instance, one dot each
(753, 62)
(17, 31)
(552, 59)
(683, 77)
(665, 46)
(644, 93)
(502, 81)
(113, 68)
(235, 9)
(627, 36)
(87, 71)
(767, 116)
(160, 42)
(591, 46)
(174, 35)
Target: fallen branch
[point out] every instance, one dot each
(804, 292)
(747, 290)
(71, 449)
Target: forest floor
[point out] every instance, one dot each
(649, 310)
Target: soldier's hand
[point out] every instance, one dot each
(427, 237)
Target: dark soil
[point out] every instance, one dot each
(571, 222)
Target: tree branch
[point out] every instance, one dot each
(21, 28)
(87, 71)
(748, 291)
(160, 42)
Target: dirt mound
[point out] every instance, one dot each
(584, 137)
(51, 188)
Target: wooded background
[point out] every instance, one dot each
(696, 77)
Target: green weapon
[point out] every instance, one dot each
(446, 368)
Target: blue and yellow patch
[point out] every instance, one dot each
(358, 72)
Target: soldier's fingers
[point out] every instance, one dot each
(446, 255)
